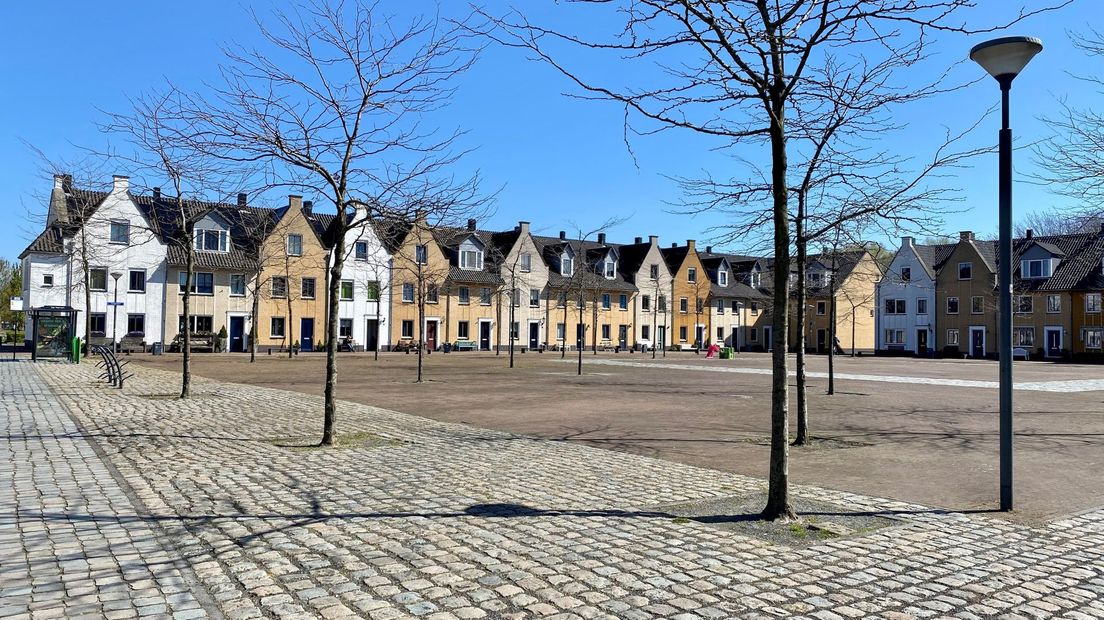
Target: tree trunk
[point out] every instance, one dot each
(510, 327)
(87, 293)
(594, 315)
(333, 294)
(778, 492)
(421, 321)
(291, 318)
(580, 336)
(186, 366)
(256, 313)
(832, 331)
(800, 319)
(563, 345)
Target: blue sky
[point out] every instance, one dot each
(557, 159)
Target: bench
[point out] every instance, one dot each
(199, 342)
(687, 347)
(465, 345)
(1020, 352)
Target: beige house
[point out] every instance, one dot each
(733, 305)
(850, 280)
(524, 293)
(642, 265)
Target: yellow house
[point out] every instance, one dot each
(419, 272)
(854, 291)
(690, 290)
(293, 258)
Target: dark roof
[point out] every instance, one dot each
(932, 257)
(79, 204)
(632, 259)
(590, 252)
(713, 263)
(471, 276)
(1079, 261)
(674, 256)
(236, 259)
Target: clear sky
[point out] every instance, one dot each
(557, 159)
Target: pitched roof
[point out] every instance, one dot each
(713, 263)
(675, 256)
(591, 253)
(79, 205)
(933, 256)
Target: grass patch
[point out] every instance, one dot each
(680, 520)
(359, 439)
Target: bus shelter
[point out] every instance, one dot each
(52, 329)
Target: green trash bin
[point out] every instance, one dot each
(726, 353)
(74, 354)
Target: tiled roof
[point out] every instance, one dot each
(590, 252)
(79, 204)
(236, 259)
(933, 256)
(674, 256)
(471, 276)
(735, 288)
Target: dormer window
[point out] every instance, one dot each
(755, 279)
(471, 260)
(1035, 268)
(567, 264)
(610, 269)
(816, 279)
(214, 241)
(722, 278)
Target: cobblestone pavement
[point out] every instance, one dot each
(446, 521)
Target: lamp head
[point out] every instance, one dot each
(1004, 58)
(116, 274)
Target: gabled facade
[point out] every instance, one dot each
(730, 302)
(419, 273)
(524, 276)
(690, 292)
(476, 304)
(966, 299)
(848, 280)
(364, 298)
(906, 305)
(643, 266)
(125, 256)
(754, 272)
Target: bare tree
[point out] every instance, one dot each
(739, 72)
(333, 105)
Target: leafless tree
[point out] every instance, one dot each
(332, 103)
(1059, 222)
(741, 72)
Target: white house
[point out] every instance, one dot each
(108, 232)
(364, 301)
(906, 298)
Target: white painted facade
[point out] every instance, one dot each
(367, 271)
(911, 288)
(651, 325)
(524, 270)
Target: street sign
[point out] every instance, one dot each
(114, 303)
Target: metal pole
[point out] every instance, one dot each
(1004, 319)
(115, 318)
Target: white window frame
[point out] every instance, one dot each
(952, 337)
(471, 260)
(722, 277)
(526, 262)
(895, 336)
(241, 278)
(341, 290)
(1017, 332)
(1092, 303)
(968, 265)
(125, 228)
(287, 243)
(906, 274)
(408, 292)
(1054, 308)
(691, 274)
(922, 306)
(1093, 337)
(199, 240)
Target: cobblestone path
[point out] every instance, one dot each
(445, 521)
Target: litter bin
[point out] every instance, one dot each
(158, 348)
(726, 353)
(448, 347)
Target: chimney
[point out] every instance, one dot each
(58, 213)
(471, 223)
(308, 207)
(653, 239)
(708, 249)
(157, 193)
(420, 217)
(966, 235)
(690, 245)
(602, 238)
(674, 245)
(523, 227)
(563, 234)
(906, 242)
(638, 240)
(295, 202)
(1029, 234)
(242, 199)
(119, 183)
(67, 183)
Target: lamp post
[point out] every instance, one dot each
(115, 313)
(1003, 59)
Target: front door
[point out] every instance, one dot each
(534, 335)
(580, 335)
(623, 336)
(977, 342)
(431, 335)
(371, 335)
(768, 342)
(661, 337)
(484, 335)
(1054, 341)
(699, 336)
(306, 335)
(237, 334)
(922, 342)
(822, 341)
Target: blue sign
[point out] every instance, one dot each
(114, 303)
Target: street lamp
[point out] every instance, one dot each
(115, 313)
(1003, 59)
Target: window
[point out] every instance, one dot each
(682, 333)
(98, 325)
(754, 308)
(463, 330)
(692, 274)
(279, 287)
(120, 232)
(895, 306)
(720, 334)
(360, 250)
(965, 271)
(1035, 269)
(515, 297)
(97, 279)
(567, 264)
(977, 305)
(346, 290)
(561, 300)
(1093, 337)
(895, 336)
(661, 303)
(755, 279)
(921, 306)
(295, 245)
(623, 302)
(720, 306)
(433, 294)
(1054, 303)
(237, 285)
(276, 328)
(816, 279)
(645, 303)
(199, 323)
(47, 279)
(611, 269)
(485, 296)
(754, 334)
(211, 240)
(1024, 304)
(906, 274)
(421, 254)
(952, 305)
(471, 259)
(534, 298)
(136, 325)
(653, 271)
(684, 305)
(372, 290)
(735, 306)
(345, 328)
(646, 332)
(514, 330)
(560, 331)
(1023, 336)
(407, 329)
(1092, 302)
(605, 301)
(605, 331)
(137, 281)
(526, 262)
(307, 288)
(463, 294)
(821, 308)
(722, 277)
(204, 283)
(952, 337)
(408, 293)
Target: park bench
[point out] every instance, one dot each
(465, 345)
(200, 341)
(1021, 353)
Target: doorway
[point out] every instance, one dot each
(534, 335)
(922, 342)
(484, 335)
(977, 342)
(661, 337)
(306, 335)
(237, 334)
(371, 335)
(768, 342)
(699, 336)
(1053, 341)
(431, 335)
(822, 341)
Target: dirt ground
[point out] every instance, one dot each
(932, 444)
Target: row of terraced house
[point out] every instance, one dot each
(403, 284)
(942, 298)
